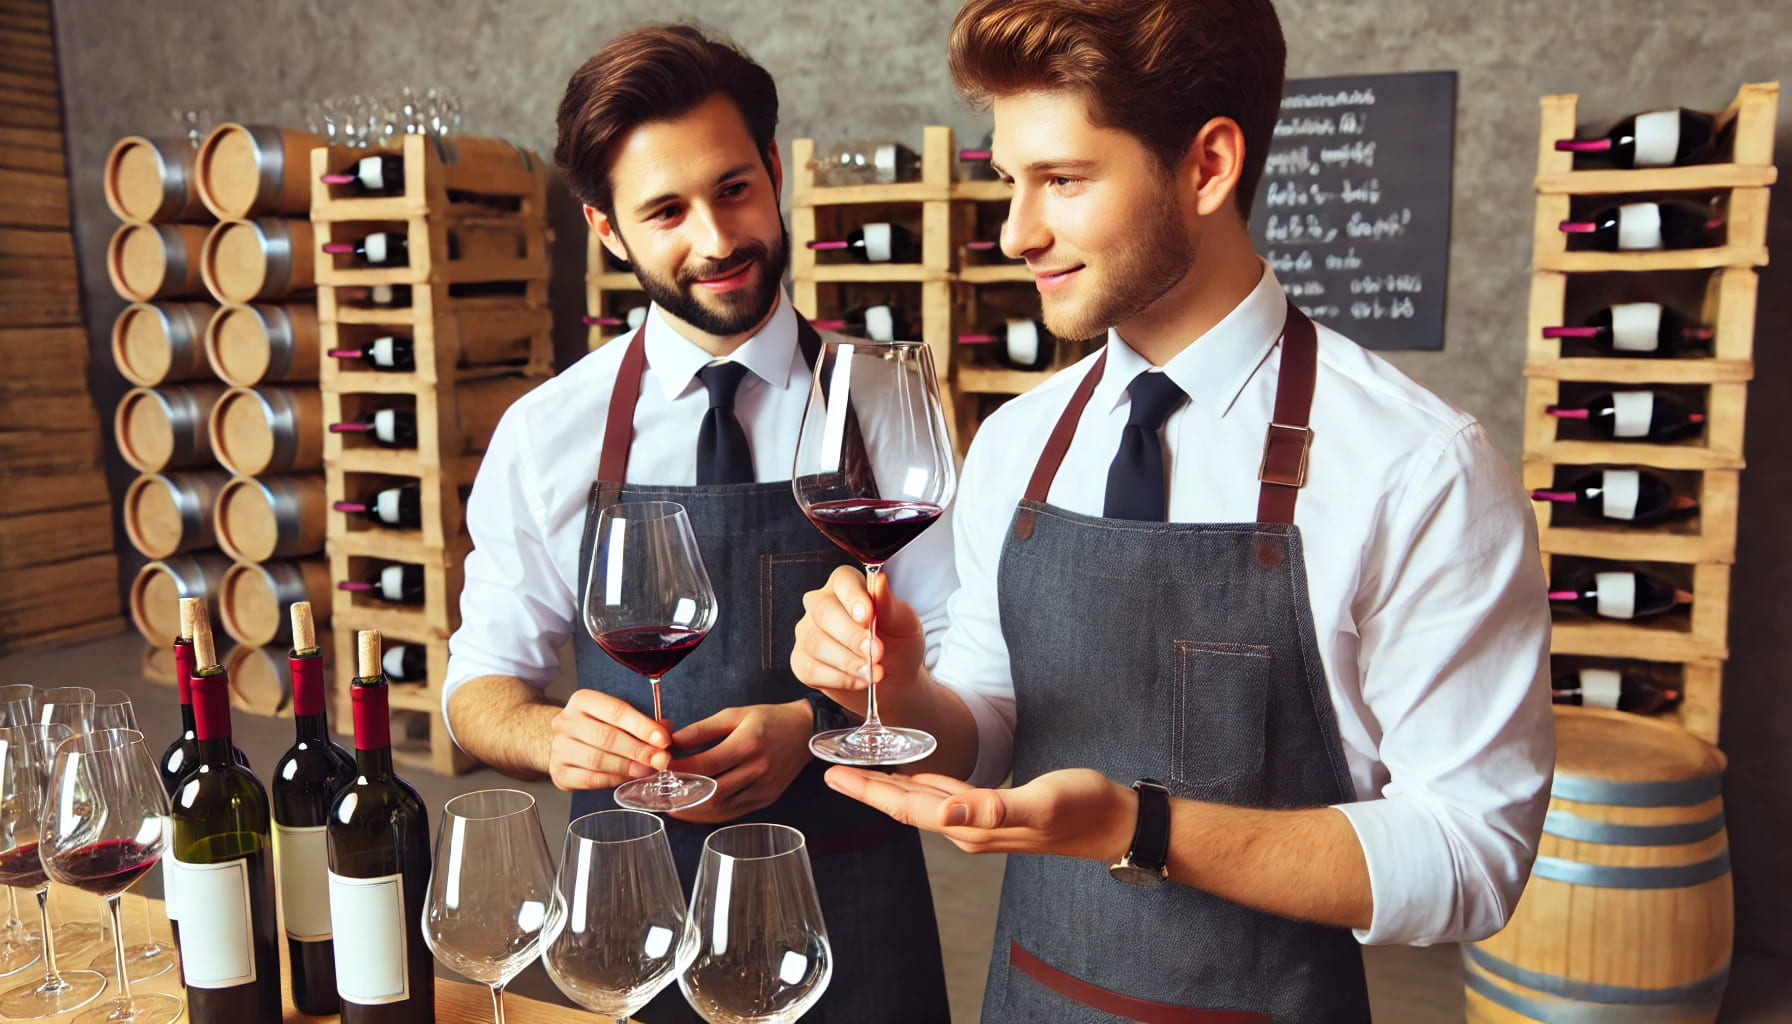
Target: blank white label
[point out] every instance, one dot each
(880, 324)
(375, 245)
(1600, 687)
(216, 932)
(385, 425)
(1023, 342)
(382, 350)
(370, 939)
(170, 887)
(1636, 326)
(1639, 226)
(1619, 491)
(1632, 412)
(392, 582)
(304, 869)
(877, 242)
(373, 173)
(884, 160)
(387, 505)
(1657, 138)
(1616, 594)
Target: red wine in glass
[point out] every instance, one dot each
(873, 530)
(650, 650)
(22, 868)
(108, 866)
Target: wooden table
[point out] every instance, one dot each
(457, 1002)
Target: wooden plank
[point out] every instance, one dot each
(20, 116)
(25, 278)
(1755, 111)
(30, 138)
(105, 626)
(25, 493)
(34, 160)
(1014, 273)
(56, 536)
(1694, 178)
(48, 311)
(36, 452)
(1557, 122)
(1662, 456)
(859, 195)
(34, 84)
(1730, 310)
(33, 200)
(874, 273)
(982, 191)
(1672, 259)
(24, 408)
(1701, 706)
(980, 380)
(32, 99)
(60, 594)
(1645, 371)
(36, 243)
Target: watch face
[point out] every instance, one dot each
(1132, 874)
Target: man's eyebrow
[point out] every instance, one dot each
(665, 197)
(1041, 166)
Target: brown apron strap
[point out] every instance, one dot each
(1056, 445)
(1126, 1007)
(619, 427)
(1283, 471)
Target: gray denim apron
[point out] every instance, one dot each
(1183, 652)
(762, 555)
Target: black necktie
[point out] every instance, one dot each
(1136, 477)
(722, 453)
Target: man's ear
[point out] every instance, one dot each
(1212, 165)
(605, 230)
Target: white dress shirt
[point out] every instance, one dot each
(526, 514)
(1428, 596)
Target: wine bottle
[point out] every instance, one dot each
(405, 663)
(635, 317)
(1629, 495)
(391, 353)
(973, 162)
(866, 163)
(375, 249)
(306, 782)
(877, 242)
(394, 584)
(1622, 595)
(1637, 329)
(182, 756)
(396, 508)
(222, 859)
(379, 847)
(1633, 415)
(388, 428)
(878, 323)
(1659, 138)
(1645, 226)
(1021, 344)
(381, 175)
(379, 296)
(1609, 688)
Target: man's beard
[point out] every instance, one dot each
(742, 309)
(1134, 276)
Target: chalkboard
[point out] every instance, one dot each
(1353, 212)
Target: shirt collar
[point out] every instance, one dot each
(1216, 367)
(675, 359)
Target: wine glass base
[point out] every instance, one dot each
(872, 747)
(144, 961)
(16, 956)
(152, 1008)
(37, 1001)
(667, 791)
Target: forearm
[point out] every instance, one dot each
(505, 723)
(1305, 864)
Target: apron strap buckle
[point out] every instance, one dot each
(1285, 450)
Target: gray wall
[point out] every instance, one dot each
(870, 68)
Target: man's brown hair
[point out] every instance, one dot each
(653, 74)
(1155, 69)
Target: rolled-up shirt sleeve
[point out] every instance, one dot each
(1454, 625)
(516, 610)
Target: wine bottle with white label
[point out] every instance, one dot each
(1643, 329)
(379, 846)
(393, 584)
(391, 353)
(378, 296)
(1659, 138)
(1610, 688)
(306, 782)
(635, 317)
(381, 175)
(1633, 416)
(878, 323)
(1021, 344)
(865, 163)
(395, 508)
(877, 242)
(388, 428)
(223, 860)
(405, 663)
(1624, 495)
(1622, 595)
(375, 249)
(1642, 227)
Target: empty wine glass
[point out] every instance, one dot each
(492, 903)
(19, 945)
(112, 709)
(762, 947)
(625, 938)
(26, 756)
(103, 829)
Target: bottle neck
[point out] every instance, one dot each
(211, 716)
(309, 718)
(373, 727)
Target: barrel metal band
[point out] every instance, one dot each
(1601, 876)
(276, 251)
(174, 253)
(1566, 825)
(1681, 793)
(186, 504)
(185, 419)
(1597, 1004)
(288, 516)
(175, 186)
(276, 324)
(270, 159)
(283, 427)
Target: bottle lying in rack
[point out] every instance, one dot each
(1633, 415)
(1639, 227)
(878, 323)
(379, 296)
(381, 175)
(1647, 329)
(392, 353)
(1622, 595)
(393, 584)
(1659, 138)
(1627, 495)
(388, 428)
(1021, 344)
(375, 249)
(405, 663)
(866, 163)
(396, 508)
(973, 162)
(635, 317)
(1610, 688)
(877, 242)
(986, 252)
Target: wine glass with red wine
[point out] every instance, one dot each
(102, 832)
(874, 469)
(648, 604)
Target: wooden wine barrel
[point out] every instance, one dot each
(168, 513)
(167, 428)
(158, 587)
(254, 170)
(263, 344)
(156, 261)
(269, 430)
(481, 403)
(160, 343)
(256, 599)
(260, 679)
(152, 180)
(266, 258)
(263, 518)
(1628, 915)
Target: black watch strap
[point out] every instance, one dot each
(828, 715)
(1151, 836)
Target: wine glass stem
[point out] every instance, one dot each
(52, 980)
(124, 976)
(872, 722)
(498, 1004)
(664, 780)
(13, 922)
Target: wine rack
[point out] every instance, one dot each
(610, 291)
(1688, 645)
(471, 299)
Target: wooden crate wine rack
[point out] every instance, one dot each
(473, 212)
(1695, 551)
(611, 290)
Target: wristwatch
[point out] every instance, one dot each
(1148, 862)
(828, 715)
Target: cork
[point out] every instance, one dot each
(304, 631)
(205, 652)
(191, 610)
(367, 660)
